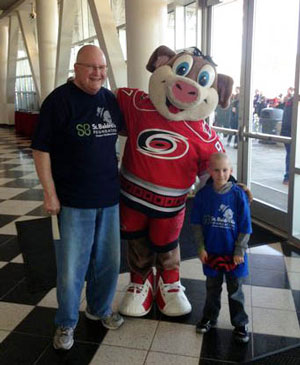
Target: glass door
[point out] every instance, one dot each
(258, 48)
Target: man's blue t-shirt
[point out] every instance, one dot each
(80, 132)
(222, 217)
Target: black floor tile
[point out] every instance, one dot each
(39, 322)
(290, 250)
(20, 294)
(218, 344)
(269, 278)
(296, 295)
(10, 275)
(266, 344)
(38, 212)
(32, 194)
(5, 219)
(196, 293)
(266, 262)
(8, 166)
(22, 183)
(4, 238)
(89, 331)
(80, 354)
(13, 174)
(19, 349)
(9, 249)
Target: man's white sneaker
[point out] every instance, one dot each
(63, 338)
(138, 299)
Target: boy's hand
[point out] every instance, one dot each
(238, 259)
(203, 256)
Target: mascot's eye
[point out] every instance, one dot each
(182, 69)
(183, 65)
(206, 76)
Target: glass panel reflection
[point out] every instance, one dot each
(272, 96)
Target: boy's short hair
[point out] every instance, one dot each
(217, 156)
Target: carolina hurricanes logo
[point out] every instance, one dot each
(162, 144)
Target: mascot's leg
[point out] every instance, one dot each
(170, 297)
(138, 298)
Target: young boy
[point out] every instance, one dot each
(222, 226)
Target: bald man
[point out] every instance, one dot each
(75, 158)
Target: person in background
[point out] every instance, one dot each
(222, 226)
(234, 116)
(75, 158)
(286, 130)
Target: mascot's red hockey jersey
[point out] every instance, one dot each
(168, 145)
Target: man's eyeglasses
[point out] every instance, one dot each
(93, 67)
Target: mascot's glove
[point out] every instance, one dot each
(247, 191)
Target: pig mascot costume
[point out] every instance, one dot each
(168, 145)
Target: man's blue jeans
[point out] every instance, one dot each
(89, 249)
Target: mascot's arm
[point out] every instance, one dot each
(123, 131)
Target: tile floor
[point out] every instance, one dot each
(272, 294)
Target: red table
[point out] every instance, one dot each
(25, 123)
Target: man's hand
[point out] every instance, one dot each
(238, 259)
(51, 204)
(247, 191)
(203, 256)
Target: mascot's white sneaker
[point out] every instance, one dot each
(170, 297)
(138, 299)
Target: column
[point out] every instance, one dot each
(47, 26)
(3, 73)
(146, 22)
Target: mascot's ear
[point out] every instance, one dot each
(159, 57)
(225, 84)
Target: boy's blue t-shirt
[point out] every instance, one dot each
(222, 217)
(80, 132)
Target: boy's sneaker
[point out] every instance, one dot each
(205, 325)
(112, 322)
(241, 334)
(63, 338)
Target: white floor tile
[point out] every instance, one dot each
(123, 281)
(49, 299)
(4, 180)
(192, 269)
(18, 259)
(294, 279)
(18, 207)
(10, 228)
(14, 314)
(135, 333)
(3, 335)
(155, 358)
(33, 175)
(272, 298)
(292, 264)
(271, 249)
(8, 193)
(109, 355)
(181, 338)
(2, 264)
(275, 322)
